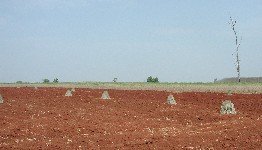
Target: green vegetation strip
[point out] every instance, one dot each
(174, 87)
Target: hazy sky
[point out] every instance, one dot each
(97, 40)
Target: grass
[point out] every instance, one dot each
(242, 87)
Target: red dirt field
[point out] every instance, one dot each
(44, 118)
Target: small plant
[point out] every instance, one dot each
(46, 81)
(105, 95)
(55, 80)
(1, 99)
(151, 79)
(171, 100)
(227, 107)
(69, 93)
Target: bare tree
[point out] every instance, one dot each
(236, 54)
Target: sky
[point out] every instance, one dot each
(99, 40)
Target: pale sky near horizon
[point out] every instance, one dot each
(97, 40)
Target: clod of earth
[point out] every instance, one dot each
(1, 99)
(69, 93)
(227, 107)
(105, 95)
(171, 100)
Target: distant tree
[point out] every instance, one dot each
(115, 80)
(19, 82)
(151, 79)
(55, 80)
(237, 43)
(45, 80)
(156, 79)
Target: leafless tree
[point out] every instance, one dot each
(237, 42)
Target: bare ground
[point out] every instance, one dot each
(43, 118)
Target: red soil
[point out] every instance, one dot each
(44, 118)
